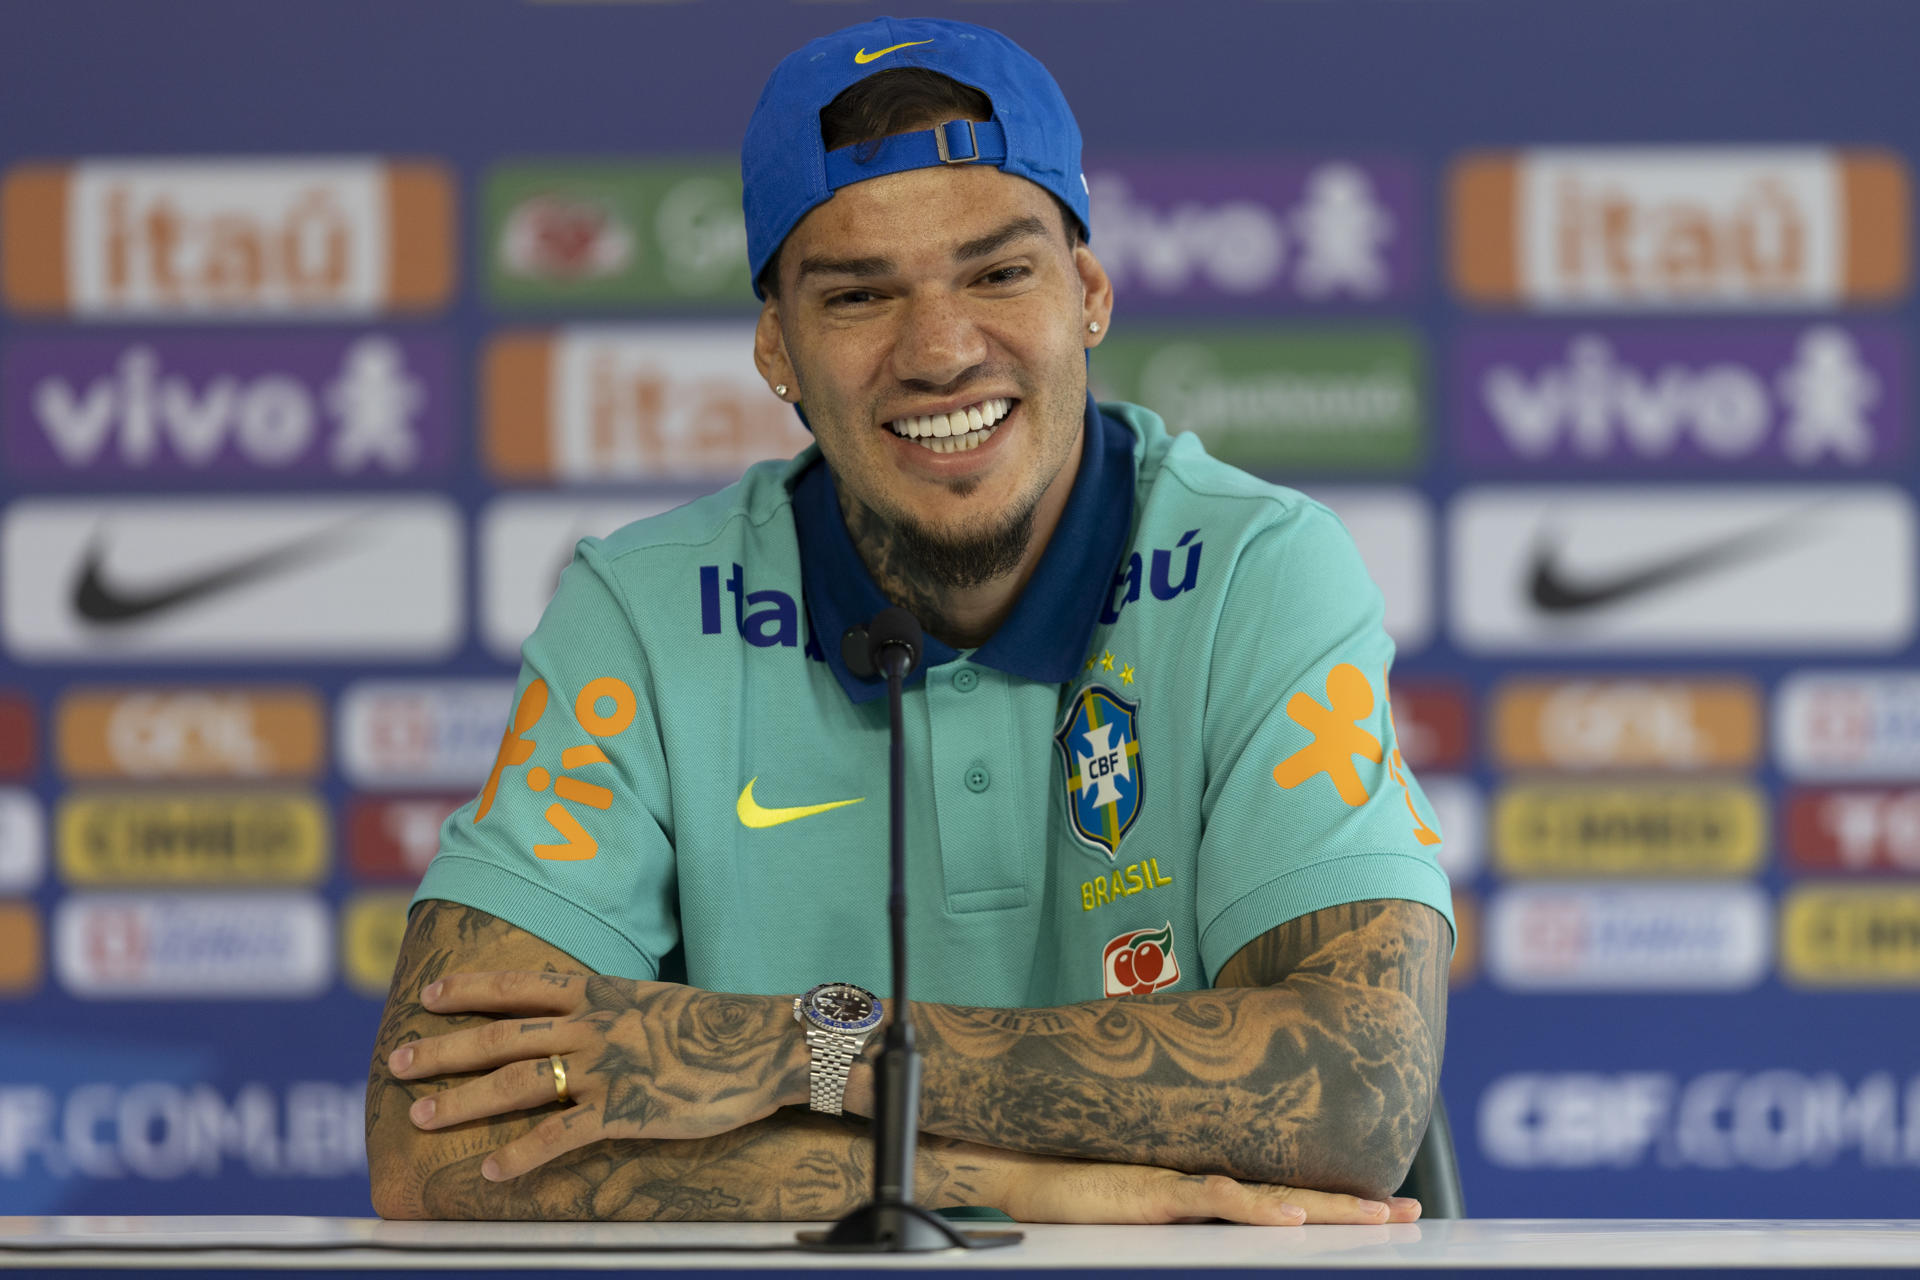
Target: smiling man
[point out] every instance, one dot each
(1175, 905)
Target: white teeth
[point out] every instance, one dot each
(960, 424)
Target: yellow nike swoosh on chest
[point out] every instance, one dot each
(756, 815)
(863, 57)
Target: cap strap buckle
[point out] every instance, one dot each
(943, 143)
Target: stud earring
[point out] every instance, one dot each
(780, 389)
(1093, 326)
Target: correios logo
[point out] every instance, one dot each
(275, 237)
(1334, 231)
(1652, 227)
(1141, 961)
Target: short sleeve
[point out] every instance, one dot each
(1307, 802)
(568, 837)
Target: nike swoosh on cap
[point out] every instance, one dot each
(755, 815)
(1553, 592)
(863, 57)
(107, 604)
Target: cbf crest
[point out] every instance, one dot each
(1100, 755)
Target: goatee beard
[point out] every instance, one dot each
(969, 559)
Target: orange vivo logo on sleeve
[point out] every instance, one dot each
(605, 707)
(1338, 736)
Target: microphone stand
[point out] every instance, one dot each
(891, 1222)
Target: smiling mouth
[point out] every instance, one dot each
(954, 432)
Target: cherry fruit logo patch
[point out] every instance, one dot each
(1141, 961)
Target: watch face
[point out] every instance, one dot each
(845, 1007)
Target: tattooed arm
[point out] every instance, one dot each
(1313, 1061)
(789, 1166)
(501, 1146)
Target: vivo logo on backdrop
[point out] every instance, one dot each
(353, 408)
(1779, 396)
(1303, 233)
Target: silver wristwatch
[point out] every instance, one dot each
(840, 1018)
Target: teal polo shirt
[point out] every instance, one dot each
(1179, 739)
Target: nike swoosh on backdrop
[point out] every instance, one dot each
(753, 814)
(105, 604)
(1553, 592)
(863, 57)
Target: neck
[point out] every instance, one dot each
(962, 617)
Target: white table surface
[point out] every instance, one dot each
(367, 1244)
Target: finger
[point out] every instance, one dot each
(1403, 1209)
(481, 1048)
(1200, 1197)
(507, 992)
(519, 1086)
(1331, 1206)
(554, 1136)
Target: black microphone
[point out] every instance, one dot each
(894, 638)
(891, 1222)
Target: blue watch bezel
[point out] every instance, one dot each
(820, 1019)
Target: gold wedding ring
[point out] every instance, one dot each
(559, 1077)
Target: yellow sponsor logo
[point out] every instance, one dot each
(1851, 936)
(863, 57)
(255, 837)
(371, 926)
(1124, 882)
(756, 815)
(1642, 830)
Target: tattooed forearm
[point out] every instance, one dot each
(1313, 1062)
(791, 1166)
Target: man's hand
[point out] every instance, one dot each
(643, 1060)
(1047, 1189)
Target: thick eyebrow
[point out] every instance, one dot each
(980, 247)
(994, 241)
(863, 268)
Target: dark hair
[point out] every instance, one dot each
(899, 101)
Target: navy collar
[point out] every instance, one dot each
(1045, 638)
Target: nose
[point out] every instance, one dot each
(938, 340)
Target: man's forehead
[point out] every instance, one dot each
(919, 213)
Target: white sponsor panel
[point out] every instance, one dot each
(1583, 937)
(1393, 528)
(173, 946)
(161, 1130)
(524, 544)
(1841, 725)
(152, 238)
(397, 734)
(133, 580)
(1681, 227)
(1457, 811)
(663, 403)
(1717, 569)
(23, 840)
(1767, 1120)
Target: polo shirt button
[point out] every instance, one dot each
(978, 779)
(965, 679)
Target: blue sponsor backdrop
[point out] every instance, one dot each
(1770, 1102)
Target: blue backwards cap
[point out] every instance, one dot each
(786, 170)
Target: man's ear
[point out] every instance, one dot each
(770, 353)
(1096, 306)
